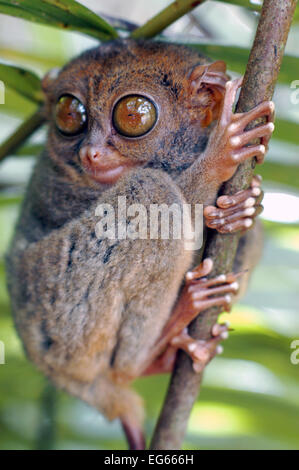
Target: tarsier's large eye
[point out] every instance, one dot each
(134, 115)
(70, 115)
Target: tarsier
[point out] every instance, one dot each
(152, 122)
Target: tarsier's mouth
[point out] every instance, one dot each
(103, 164)
(105, 175)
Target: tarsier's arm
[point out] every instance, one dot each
(228, 144)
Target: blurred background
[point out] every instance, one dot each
(250, 395)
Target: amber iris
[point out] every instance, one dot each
(70, 115)
(134, 116)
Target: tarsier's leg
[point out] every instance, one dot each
(236, 212)
(198, 294)
(196, 297)
(222, 289)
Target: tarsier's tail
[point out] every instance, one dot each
(114, 401)
(119, 401)
(134, 434)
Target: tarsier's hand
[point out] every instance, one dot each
(236, 212)
(229, 141)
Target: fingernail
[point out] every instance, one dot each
(208, 263)
(262, 148)
(249, 211)
(271, 126)
(249, 202)
(235, 286)
(248, 223)
(224, 335)
(256, 191)
(216, 330)
(192, 347)
(235, 141)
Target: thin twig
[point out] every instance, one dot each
(46, 429)
(21, 134)
(165, 18)
(259, 81)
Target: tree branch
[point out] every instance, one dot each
(259, 82)
(45, 437)
(21, 134)
(165, 18)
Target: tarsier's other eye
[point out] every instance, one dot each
(134, 115)
(70, 115)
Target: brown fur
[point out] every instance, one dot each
(88, 310)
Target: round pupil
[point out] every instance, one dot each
(70, 115)
(134, 116)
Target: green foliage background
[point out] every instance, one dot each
(250, 397)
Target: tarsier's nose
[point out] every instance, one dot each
(97, 159)
(103, 164)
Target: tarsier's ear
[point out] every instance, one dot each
(206, 90)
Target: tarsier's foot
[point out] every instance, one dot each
(202, 293)
(200, 351)
(236, 212)
(198, 294)
(229, 143)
